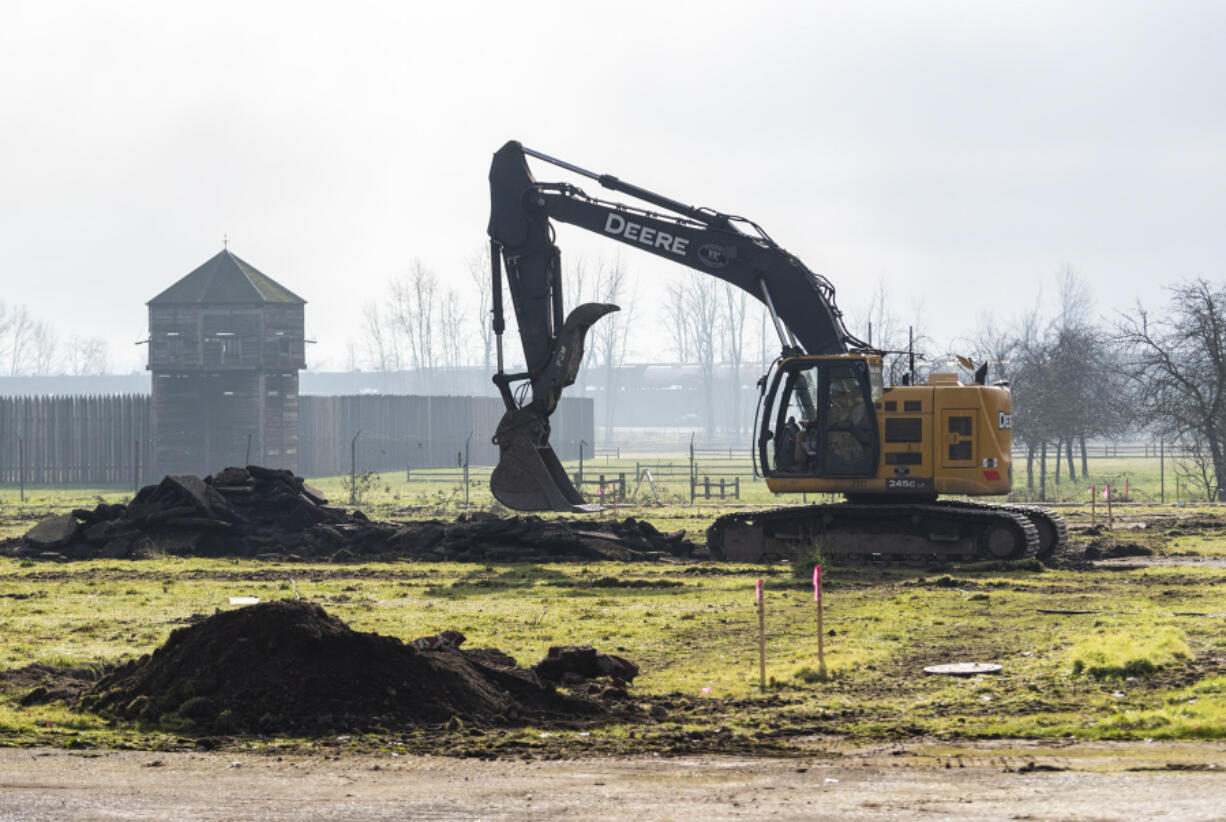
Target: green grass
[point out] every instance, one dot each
(692, 628)
(1152, 655)
(1123, 654)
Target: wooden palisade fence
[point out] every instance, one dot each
(101, 440)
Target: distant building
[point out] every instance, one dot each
(225, 347)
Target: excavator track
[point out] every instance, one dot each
(851, 532)
(1052, 528)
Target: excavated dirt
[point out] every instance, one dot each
(290, 668)
(270, 513)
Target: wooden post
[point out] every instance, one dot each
(1043, 472)
(736, 487)
(621, 486)
(467, 442)
(761, 597)
(353, 468)
(706, 487)
(1110, 518)
(1162, 470)
(1093, 505)
(721, 488)
(817, 598)
(21, 468)
(693, 470)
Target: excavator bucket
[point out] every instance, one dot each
(529, 476)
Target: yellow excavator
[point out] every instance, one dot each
(827, 423)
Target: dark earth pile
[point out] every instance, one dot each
(262, 512)
(290, 668)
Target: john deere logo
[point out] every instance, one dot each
(713, 255)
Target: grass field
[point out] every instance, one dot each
(1148, 660)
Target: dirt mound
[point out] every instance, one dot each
(290, 668)
(47, 683)
(262, 512)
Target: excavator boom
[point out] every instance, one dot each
(529, 476)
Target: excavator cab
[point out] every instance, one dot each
(818, 417)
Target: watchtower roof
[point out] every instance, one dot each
(226, 279)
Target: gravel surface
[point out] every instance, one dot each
(1025, 781)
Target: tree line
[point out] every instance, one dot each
(33, 347)
(1157, 372)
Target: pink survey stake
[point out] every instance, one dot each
(817, 583)
(758, 591)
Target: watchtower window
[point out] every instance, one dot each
(230, 349)
(283, 345)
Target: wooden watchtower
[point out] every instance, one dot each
(226, 343)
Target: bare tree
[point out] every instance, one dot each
(44, 348)
(886, 331)
(732, 308)
(881, 326)
(766, 353)
(675, 319)
(700, 314)
(86, 356)
(1177, 362)
(994, 343)
(479, 273)
(6, 322)
(379, 340)
(450, 327)
(611, 335)
(19, 330)
(576, 277)
(1065, 374)
(413, 309)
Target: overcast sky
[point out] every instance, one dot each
(961, 153)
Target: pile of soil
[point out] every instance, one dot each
(271, 513)
(292, 669)
(41, 684)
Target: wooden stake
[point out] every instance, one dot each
(761, 635)
(817, 599)
(1093, 505)
(1110, 518)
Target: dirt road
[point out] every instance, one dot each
(988, 782)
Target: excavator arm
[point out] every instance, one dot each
(529, 476)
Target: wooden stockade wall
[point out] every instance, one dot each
(83, 441)
(402, 432)
(104, 440)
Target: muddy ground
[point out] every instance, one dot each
(1003, 781)
(820, 778)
